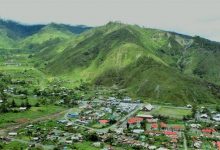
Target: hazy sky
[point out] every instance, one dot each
(194, 17)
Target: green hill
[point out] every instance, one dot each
(152, 64)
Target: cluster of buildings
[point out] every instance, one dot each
(102, 112)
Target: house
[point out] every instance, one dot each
(138, 131)
(73, 115)
(154, 126)
(169, 133)
(177, 128)
(119, 130)
(151, 147)
(195, 126)
(62, 121)
(145, 116)
(68, 141)
(35, 138)
(97, 144)
(12, 134)
(69, 124)
(197, 144)
(208, 130)
(189, 106)
(148, 107)
(30, 126)
(23, 108)
(218, 145)
(127, 100)
(205, 116)
(216, 117)
(135, 120)
(103, 121)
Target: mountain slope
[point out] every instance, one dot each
(16, 35)
(152, 64)
(111, 55)
(155, 82)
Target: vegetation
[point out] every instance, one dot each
(69, 53)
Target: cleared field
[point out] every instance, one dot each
(85, 146)
(171, 112)
(22, 117)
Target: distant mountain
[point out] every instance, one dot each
(12, 32)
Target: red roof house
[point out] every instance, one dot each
(208, 130)
(218, 145)
(103, 121)
(154, 126)
(170, 133)
(135, 120)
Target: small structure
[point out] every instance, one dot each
(189, 106)
(145, 116)
(62, 121)
(163, 125)
(103, 121)
(127, 100)
(205, 116)
(154, 126)
(73, 115)
(138, 131)
(97, 144)
(208, 130)
(23, 108)
(148, 107)
(216, 117)
(218, 145)
(195, 126)
(177, 128)
(12, 133)
(135, 120)
(168, 133)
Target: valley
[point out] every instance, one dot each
(115, 86)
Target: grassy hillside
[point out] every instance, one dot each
(155, 82)
(155, 65)
(152, 64)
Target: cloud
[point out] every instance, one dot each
(194, 17)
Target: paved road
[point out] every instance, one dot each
(184, 141)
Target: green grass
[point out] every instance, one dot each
(33, 113)
(14, 146)
(85, 146)
(172, 112)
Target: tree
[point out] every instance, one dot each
(128, 125)
(37, 104)
(3, 108)
(92, 136)
(194, 111)
(22, 104)
(13, 104)
(217, 108)
(143, 124)
(27, 104)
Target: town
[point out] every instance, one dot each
(113, 123)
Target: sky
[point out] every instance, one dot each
(192, 17)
